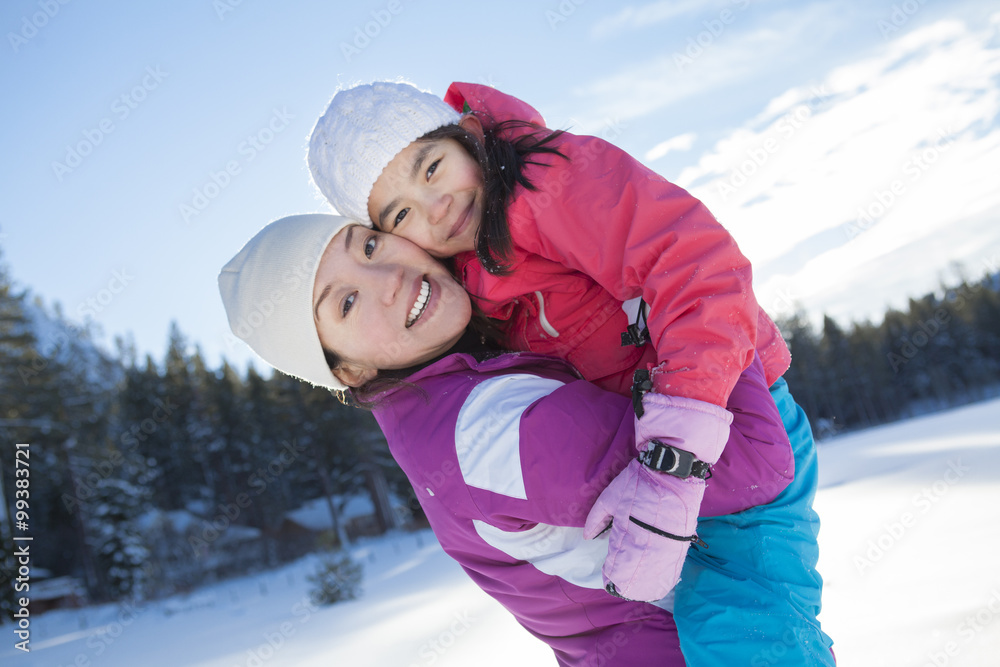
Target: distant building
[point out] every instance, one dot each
(56, 593)
(301, 529)
(187, 549)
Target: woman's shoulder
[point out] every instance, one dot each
(444, 386)
(455, 414)
(474, 368)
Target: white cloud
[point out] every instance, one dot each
(704, 60)
(649, 86)
(682, 142)
(860, 190)
(644, 16)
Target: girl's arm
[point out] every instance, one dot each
(604, 214)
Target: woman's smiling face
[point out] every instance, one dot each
(432, 194)
(381, 303)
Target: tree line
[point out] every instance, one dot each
(943, 350)
(117, 440)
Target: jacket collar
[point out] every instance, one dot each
(464, 362)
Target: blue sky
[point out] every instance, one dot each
(851, 147)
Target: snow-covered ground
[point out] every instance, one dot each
(911, 527)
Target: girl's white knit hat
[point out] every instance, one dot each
(267, 290)
(362, 130)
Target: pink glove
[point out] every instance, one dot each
(685, 423)
(653, 517)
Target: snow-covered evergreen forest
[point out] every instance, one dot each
(151, 476)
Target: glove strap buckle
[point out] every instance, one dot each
(636, 334)
(641, 384)
(633, 336)
(673, 461)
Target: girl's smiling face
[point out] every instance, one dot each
(432, 194)
(381, 303)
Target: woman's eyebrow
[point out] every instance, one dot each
(326, 290)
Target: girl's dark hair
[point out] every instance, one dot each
(502, 162)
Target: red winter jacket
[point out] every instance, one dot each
(602, 229)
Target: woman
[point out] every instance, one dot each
(507, 453)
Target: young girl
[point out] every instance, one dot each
(507, 453)
(554, 233)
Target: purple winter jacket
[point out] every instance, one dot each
(506, 457)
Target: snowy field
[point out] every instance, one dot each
(911, 525)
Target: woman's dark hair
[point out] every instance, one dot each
(502, 162)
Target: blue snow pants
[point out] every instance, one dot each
(752, 596)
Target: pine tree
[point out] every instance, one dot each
(78, 390)
(52, 396)
(121, 552)
(185, 465)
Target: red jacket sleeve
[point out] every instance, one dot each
(603, 213)
(490, 105)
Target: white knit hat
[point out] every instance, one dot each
(362, 130)
(267, 290)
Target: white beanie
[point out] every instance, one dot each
(267, 289)
(363, 129)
